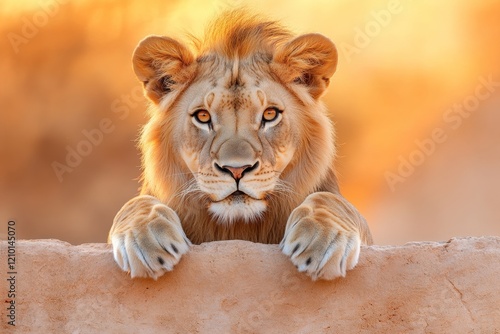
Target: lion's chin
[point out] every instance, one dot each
(237, 208)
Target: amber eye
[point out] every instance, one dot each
(270, 114)
(202, 116)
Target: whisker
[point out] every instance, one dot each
(282, 189)
(177, 174)
(190, 187)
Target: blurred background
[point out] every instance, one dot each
(416, 101)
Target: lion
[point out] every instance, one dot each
(238, 146)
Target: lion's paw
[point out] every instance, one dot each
(318, 245)
(147, 238)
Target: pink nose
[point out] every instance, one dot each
(236, 172)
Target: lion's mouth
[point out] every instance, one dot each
(237, 196)
(238, 206)
(238, 193)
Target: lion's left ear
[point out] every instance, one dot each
(308, 60)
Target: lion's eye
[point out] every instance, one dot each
(270, 114)
(202, 116)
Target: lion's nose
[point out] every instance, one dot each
(237, 172)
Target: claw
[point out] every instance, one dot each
(321, 250)
(148, 244)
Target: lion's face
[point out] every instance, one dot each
(241, 124)
(241, 138)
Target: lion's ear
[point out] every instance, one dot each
(309, 60)
(161, 63)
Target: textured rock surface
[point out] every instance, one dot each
(237, 286)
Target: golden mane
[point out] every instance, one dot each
(236, 34)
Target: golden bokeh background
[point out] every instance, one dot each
(403, 66)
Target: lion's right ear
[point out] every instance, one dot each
(161, 63)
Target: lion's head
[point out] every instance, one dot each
(237, 128)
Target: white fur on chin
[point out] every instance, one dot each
(230, 210)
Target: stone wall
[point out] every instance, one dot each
(242, 287)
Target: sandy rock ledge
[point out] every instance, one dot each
(242, 287)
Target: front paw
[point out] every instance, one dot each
(321, 241)
(147, 237)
